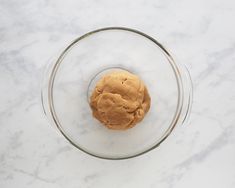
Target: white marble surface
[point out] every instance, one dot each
(201, 35)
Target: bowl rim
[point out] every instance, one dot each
(49, 109)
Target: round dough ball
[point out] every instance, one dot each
(120, 100)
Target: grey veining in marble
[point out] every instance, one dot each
(199, 154)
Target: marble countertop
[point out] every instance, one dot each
(199, 154)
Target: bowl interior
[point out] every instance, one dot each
(76, 73)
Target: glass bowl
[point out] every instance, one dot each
(70, 80)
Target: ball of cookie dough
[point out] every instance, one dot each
(120, 100)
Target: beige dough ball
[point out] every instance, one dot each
(120, 100)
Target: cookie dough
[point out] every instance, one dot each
(120, 100)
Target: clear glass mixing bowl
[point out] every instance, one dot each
(70, 80)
